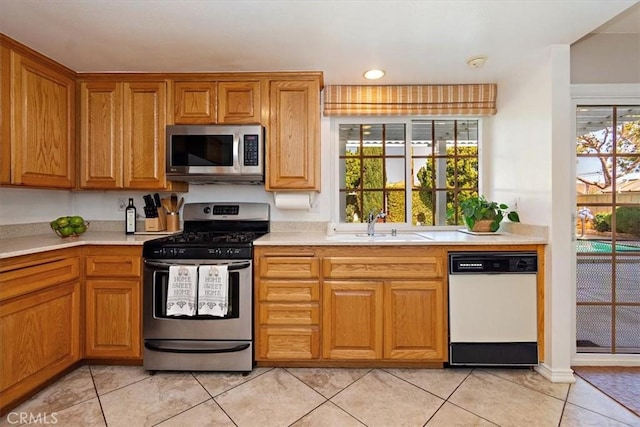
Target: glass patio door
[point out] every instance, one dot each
(608, 229)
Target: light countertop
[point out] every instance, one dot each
(47, 242)
(422, 238)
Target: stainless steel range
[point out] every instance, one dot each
(219, 235)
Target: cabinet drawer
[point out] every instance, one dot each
(382, 267)
(289, 291)
(113, 265)
(289, 343)
(289, 267)
(29, 279)
(289, 314)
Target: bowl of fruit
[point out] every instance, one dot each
(69, 226)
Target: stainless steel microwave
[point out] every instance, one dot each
(215, 153)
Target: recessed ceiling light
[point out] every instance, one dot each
(476, 61)
(373, 74)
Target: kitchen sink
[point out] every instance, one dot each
(378, 237)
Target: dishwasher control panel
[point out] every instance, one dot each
(492, 262)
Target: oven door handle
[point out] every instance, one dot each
(230, 266)
(158, 347)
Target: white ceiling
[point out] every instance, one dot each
(426, 41)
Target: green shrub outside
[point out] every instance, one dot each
(628, 220)
(602, 222)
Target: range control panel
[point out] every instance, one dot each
(493, 262)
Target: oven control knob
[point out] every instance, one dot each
(216, 251)
(207, 210)
(229, 251)
(521, 265)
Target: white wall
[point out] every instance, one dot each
(23, 206)
(531, 160)
(606, 58)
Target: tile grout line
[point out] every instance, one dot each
(93, 380)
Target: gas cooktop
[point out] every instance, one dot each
(213, 231)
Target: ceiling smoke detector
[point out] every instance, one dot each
(476, 61)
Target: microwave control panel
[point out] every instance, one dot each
(251, 150)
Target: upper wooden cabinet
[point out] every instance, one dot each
(224, 102)
(101, 135)
(5, 115)
(195, 102)
(38, 117)
(122, 134)
(293, 144)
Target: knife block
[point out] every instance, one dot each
(156, 224)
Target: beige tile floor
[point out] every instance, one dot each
(129, 396)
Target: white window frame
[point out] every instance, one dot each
(335, 122)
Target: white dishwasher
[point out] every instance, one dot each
(493, 308)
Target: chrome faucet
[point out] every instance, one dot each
(372, 218)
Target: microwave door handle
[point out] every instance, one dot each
(236, 152)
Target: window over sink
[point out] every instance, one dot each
(416, 170)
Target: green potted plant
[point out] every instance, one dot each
(482, 215)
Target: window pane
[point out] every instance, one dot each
(349, 207)
(422, 207)
(627, 273)
(594, 175)
(594, 129)
(395, 172)
(395, 139)
(627, 331)
(372, 202)
(627, 175)
(372, 174)
(422, 173)
(395, 209)
(593, 328)
(350, 173)
(467, 131)
(593, 273)
(628, 130)
(349, 138)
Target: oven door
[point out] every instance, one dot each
(236, 325)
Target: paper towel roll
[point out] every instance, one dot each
(292, 200)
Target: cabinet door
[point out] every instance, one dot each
(101, 135)
(144, 135)
(195, 102)
(113, 318)
(43, 139)
(352, 320)
(239, 102)
(293, 155)
(40, 335)
(414, 319)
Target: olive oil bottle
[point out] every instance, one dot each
(130, 218)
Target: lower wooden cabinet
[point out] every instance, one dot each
(288, 306)
(389, 304)
(40, 309)
(113, 317)
(352, 320)
(414, 320)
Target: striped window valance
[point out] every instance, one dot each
(460, 100)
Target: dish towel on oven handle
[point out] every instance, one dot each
(213, 290)
(182, 290)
